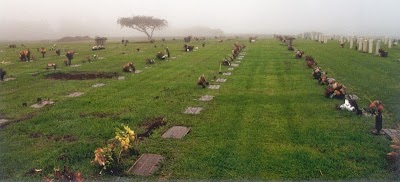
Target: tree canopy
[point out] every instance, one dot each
(145, 24)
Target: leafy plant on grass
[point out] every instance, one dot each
(109, 158)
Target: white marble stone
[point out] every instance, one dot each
(365, 45)
(378, 46)
(370, 45)
(351, 43)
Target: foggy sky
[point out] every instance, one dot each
(53, 19)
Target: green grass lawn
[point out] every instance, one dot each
(268, 121)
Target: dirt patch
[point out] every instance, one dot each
(149, 125)
(98, 115)
(81, 75)
(62, 138)
(22, 118)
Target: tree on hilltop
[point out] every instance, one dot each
(145, 24)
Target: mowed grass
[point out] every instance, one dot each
(269, 121)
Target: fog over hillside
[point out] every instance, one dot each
(53, 19)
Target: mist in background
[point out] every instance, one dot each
(53, 19)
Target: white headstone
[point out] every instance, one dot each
(365, 46)
(341, 40)
(360, 44)
(351, 43)
(370, 45)
(386, 41)
(378, 46)
(390, 43)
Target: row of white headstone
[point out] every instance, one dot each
(363, 44)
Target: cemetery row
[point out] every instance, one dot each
(335, 89)
(147, 163)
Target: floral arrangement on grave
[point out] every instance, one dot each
(109, 158)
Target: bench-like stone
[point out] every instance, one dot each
(146, 165)
(193, 110)
(176, 132)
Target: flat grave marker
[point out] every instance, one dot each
(215, 87)
(193, 110)
(121, 78)
(206, 98)
(9, 79)
(227, 73)
(146, 165)
(3, 121)
(75, 65)
(230, 69)
(221, 80)
(392, 134)
(41, 104)
(235, 65)
(238, 61)
(176, 132)
(137, 71)
(75, 94)
(98, 85)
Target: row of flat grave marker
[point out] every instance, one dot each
(147, 164)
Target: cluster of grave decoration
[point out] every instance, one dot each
(335, 89)
(100, 41)
(237, 48)
(287, 40)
